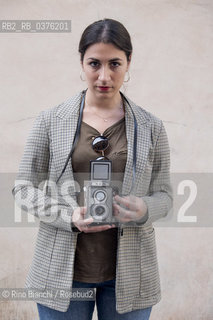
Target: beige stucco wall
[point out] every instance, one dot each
(171, 76)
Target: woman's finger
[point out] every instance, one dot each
(127, 201)
(89, 229)
(122, 214)
(83, 211)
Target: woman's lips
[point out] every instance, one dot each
(103, 88)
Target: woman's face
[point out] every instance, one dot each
(105, 66)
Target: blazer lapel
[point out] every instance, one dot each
(63, 132)
(143, 145)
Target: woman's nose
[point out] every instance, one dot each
(104, 74)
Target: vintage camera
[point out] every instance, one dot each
(99, 193)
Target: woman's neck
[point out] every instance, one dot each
(103, 103)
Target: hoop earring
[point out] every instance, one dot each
(128, 77)
(81, 76)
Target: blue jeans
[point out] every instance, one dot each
(83, 310)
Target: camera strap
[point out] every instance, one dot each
(77, 134)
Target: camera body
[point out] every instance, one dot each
(99, 193)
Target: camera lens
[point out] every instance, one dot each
(99, 210)
(100, 195)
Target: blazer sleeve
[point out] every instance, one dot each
(30, 191)
(159, 199)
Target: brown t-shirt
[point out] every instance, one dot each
(95, 256)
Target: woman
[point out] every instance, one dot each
(72, 251)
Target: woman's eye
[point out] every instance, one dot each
(115, 64)
(94, 64)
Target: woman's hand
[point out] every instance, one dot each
(78, 219)
(129, 208)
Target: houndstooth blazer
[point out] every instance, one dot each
(45, 153)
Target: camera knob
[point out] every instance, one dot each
(100, 195)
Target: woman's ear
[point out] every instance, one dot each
(129, 61)
(82, 66)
